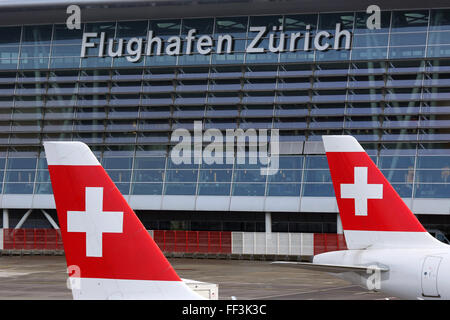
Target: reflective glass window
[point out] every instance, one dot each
(37, 34)
(316, 162)
(431, 190)
(9, 60)
(235, 26)
(119, 125)
(440, 19)
(180, 188)
(10, 36)
(95, 62)
(146, 188)
(18, 188)
(438, 51)
(66, 62)
(108, 27)
(318, 190)
(283, 189)
(21, 163)
(265, 21)
(34, 63)
(249, 189)
(296, 56)
(214, 189)
(433, 162)
(332, 55)
(64, 35)
(404, 176)
(317, 176)
(328, 21)
(370, 40)
(34, 51)
(43, 188)
(181, 175)
(123, 61)
(433, 176)
(89, 137)
(248, 176)
(121, 137)
(406, 52)
(165, 28)
(163, 60)
(242, 162)
(299, 22)
(42, 176)
(369, 53)
(227, 58)
(203, 26)
(124, 188)
(290, 162)
(146, 150)
(119, 176)
(215, 175)
(394, 162)
(403, 190)
(261, 57)
(20, 176)
(174, 164)
(438, 38)
(131, 29)
(411, 20)
(148, 175)
(284, 175)
(295, 24)
(149, 162)
(194, 59)
(407, 39)
(214, 165)
(66, 50)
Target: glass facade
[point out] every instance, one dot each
(390, 91)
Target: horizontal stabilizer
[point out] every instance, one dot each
(333, 268)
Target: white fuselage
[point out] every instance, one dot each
(413, 273)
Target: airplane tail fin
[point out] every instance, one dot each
(372, 213)
(109, 252)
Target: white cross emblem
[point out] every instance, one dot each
(94, 222)
(361, 191)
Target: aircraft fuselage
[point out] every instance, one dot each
(413, 273)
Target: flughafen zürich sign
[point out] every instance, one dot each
(96, 43)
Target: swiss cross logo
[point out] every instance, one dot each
(361, 191)
(94, 222)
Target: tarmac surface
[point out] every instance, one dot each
(45, 277)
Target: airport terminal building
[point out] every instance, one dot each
(136, 71)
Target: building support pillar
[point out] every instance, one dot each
(50, 219)
(24, 218)
(268, 222)
(5, 219)
(340, 230)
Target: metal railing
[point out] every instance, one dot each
(193, 241)
(32, 239)
(201, 242)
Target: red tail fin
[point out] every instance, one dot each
(102, 235)
(372, 213)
